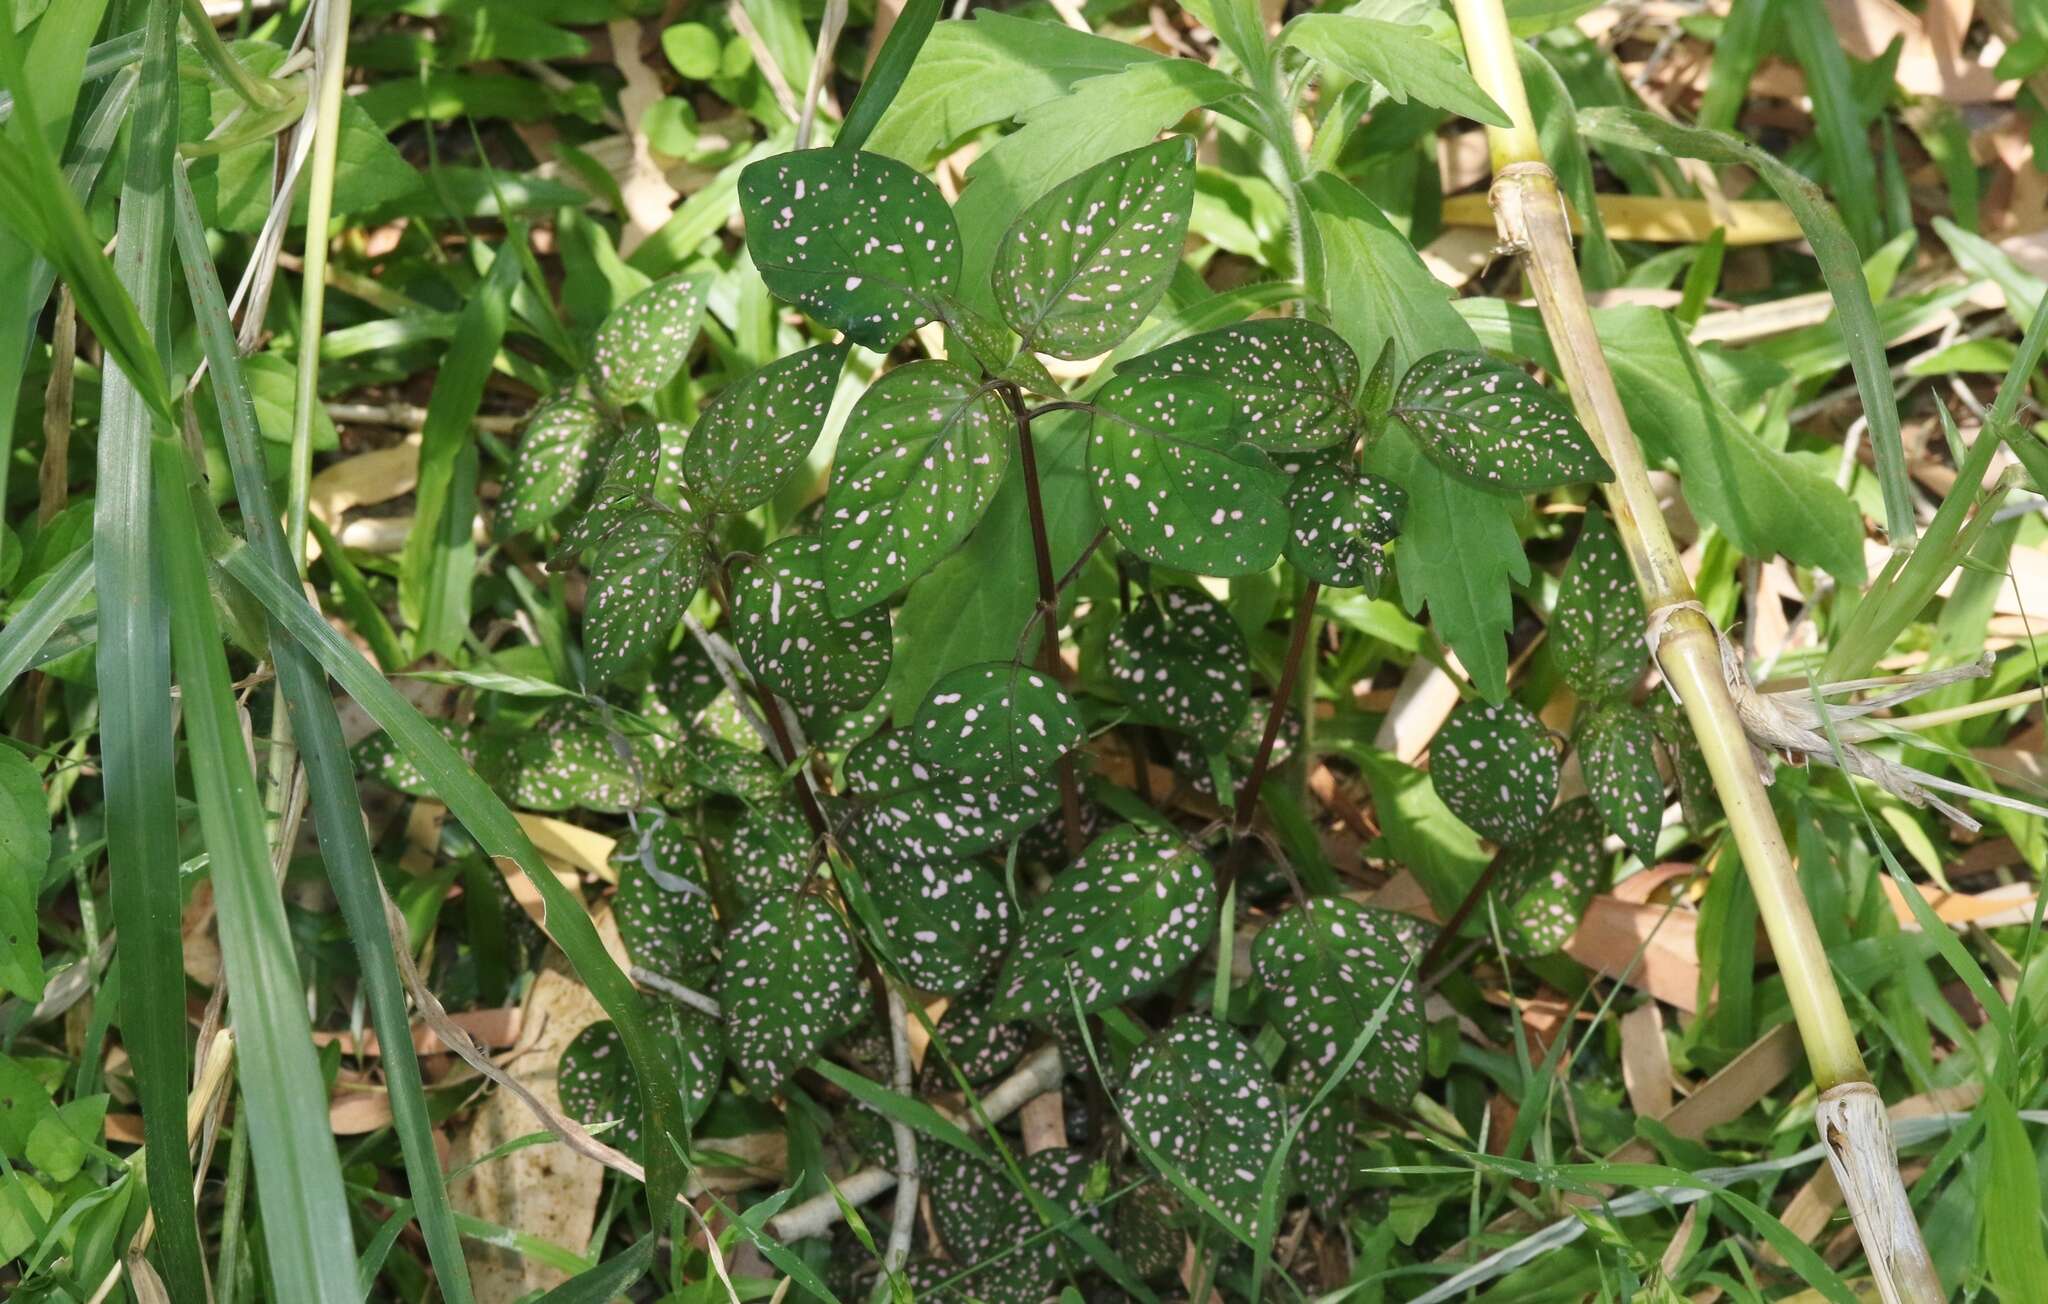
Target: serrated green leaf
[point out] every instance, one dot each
(1597, 625)
(1201, 1099)
(770, 853)
(1180, 660)
(645, 575)
(1291, 380)
(929, 812)
(1178, 482)
(781, 625)
(1405, 61)
(859, 241)
(1083, 266)
(948, 924)
(1328, 966)
(645, 340)
(1546, 882)
(1135, 908)
(1340, 522)
(1494, 766)
(998, 720)
(642, 464)
(759, 429)
(567, 760)
(922, 454)
(1492, 425)
(1618, 755)
(789, 982)
(663, 909)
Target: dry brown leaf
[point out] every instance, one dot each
(1646, 1061)
(1659, 219)
(643, 185)
(1614, 931)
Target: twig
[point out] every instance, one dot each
(676, 992)
(905, 1218)
(1276, 709)
(829, 28)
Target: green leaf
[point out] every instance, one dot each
(642, 463)
(1546, 882)
(1137, 906)
(1406, 61)
(1291, 380)
(2013, 1253)
(566, 760)
(1083, 266)
(643, 342)
(789, 982)
(931, 813)
(1200, 1098)
(24, 855)
(552, 465)
(1617, 753)
(662, 907)
(643, 580)
(1001, 720)
(947, 924)
(983, 1218)
(1340, 522)
(1492, 425)
(782, 626)
(382, 759)
(1495, 766)
(596, 1080)
(770, 853)
(980, 1045)
(1327, 967)
(1180, 660)
(887, 71)
(1179, 484)
(759, 429)
(919, 460)
(1597, 625)
(859, 241)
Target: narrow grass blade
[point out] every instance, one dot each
(498, 833)
(885, 78)
(41, 616)
(330, 776)
(298, 1172)
(608, 1280)
(101, 61)
(1844, 147)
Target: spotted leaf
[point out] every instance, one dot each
(857, 240)
(983, 1047)
(663, 910)
(553, 463)
(931, 813)
(1085, 265)
(722, 766)
(1340, 523)
(983, 1218)
(1137, 906)
(1597, 626)
(998, 720)
(643, 342)
(1147, 1229)
(1181, 661)
(759, 429)
(1329, 966)
(789, 981)
(948, 923)
(781, 625)
(1492, 425)
(1325, 1144)
(642, 466)
(922, 454)
(567, 760)
(1494, 766)
(685, 684)
(1198, 1096)
(381, 759)
(1178, 482)
(642, 581)
(1545, 884)
(995, 349)
(769, 853)
(597, 1084)
(1292, 380)
(1618, 754)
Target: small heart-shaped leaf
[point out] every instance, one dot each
(1292, 380)
(974, 338)
(1490, 424)
(924, 812)
(1137, 906)
(921, 456)
(1340, 523)
(781, 625)
(1200, 1098)
(663, 910)
(759, 429)
(948, 924)
(1546, 883)
(1329, 967)
(642, 466)
(1494, 766)
(1085, 265)
(1597, 625)
(1618, 754)
(1179, 484)
(789, 982)
(857, 240)
(643, 580)
(553, 463)
(643, 342)
(769, 853)
(1181, 661)
(566, 761)
(998, 720)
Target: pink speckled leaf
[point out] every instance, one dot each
(997, 720)
(1200, 1098)
(1545, 885)
(1491, 424)
(645, 340)
(1494, 765)
(1180, 660)
(789, 982)
(1328, 968)
(1618, 753)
